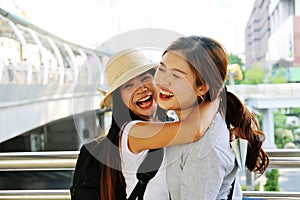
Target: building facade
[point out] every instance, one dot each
(257, 34)
(273, 36)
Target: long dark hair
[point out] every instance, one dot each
(112, 182)
(208, 60)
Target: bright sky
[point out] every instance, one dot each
(94, 21)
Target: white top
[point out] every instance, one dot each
(157, 187)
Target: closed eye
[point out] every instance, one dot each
(176, 76)
(161, 67)
(146, 78)
(127, 86)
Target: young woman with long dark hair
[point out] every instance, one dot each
(131, 96)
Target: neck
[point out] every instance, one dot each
(182, 114)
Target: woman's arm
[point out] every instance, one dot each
(152, 135)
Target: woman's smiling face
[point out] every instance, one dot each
(138, 95)
(176, 83)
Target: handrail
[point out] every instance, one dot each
(283, 152)
(54, 160)
(58, 160)
(265, 195)
(63, 194)
(35, 194)
(284, 158)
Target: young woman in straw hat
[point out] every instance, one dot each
(131, 97)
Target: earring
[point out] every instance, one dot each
(202, 98)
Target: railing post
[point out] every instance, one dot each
(250, 183)
(44, 63)
(268, 128)
(59, 60)
(1, 64)
(74, 62)
(27, 60)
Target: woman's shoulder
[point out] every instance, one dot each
(89, 151)
(87, 169)
(217, 135)
(94, 146)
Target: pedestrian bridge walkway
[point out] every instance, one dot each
(24, 107)
(44, 78)
(265, 99)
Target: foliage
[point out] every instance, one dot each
(272, 181)
(257, 187)
(295, 111)
(282, 137)
(282, 134)
(279, 119)
(234, 59)
(256, 75)
(278, 76)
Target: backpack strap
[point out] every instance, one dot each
(231, 190)
(146, 171)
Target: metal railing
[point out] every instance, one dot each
(58, 160)
(279, 158)
(35, 194)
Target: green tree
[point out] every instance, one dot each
(295, 111)
(272, 181)
(282, 134)
(254, 76)
(279, 76)
(279, 119)
(234, 59)
(282, 137)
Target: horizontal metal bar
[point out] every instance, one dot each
(37, 164)
(53, 160)
(265, 195)
(72, 154)
(66, 154)
(283, 152)
(284, 162)
(65, 194)
(35, 194)
(57, 160)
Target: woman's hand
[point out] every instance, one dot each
(234, 134)
(202, 116)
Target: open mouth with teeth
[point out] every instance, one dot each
(165, 94)
(145, 102)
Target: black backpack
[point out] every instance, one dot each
(86, 178)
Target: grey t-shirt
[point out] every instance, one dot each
(203, 170)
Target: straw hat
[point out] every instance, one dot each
(121, 68)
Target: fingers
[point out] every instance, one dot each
(233, 133)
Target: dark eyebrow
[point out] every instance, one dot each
(174, 69)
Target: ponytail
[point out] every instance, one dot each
(238, 116)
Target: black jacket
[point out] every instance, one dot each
(86, 178)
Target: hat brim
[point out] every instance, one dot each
(130, 74)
